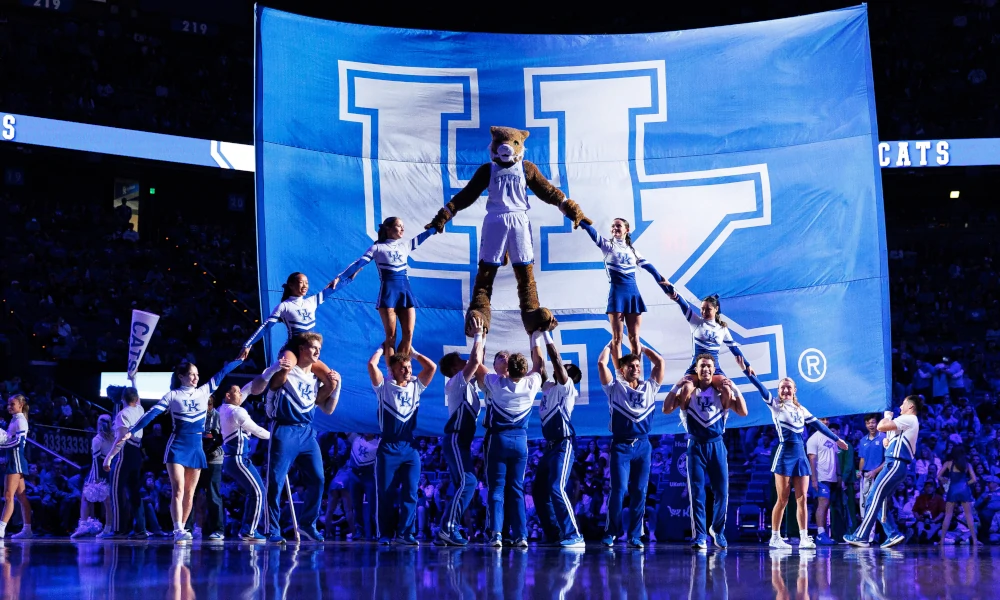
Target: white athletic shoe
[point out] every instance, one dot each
(777, 542)
(22, 535)
(807, 543)
(181, 536)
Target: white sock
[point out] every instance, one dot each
(775, 535)
(820, 531)
(177, 526)
(803, 534)
(26, 528)
(3, 528)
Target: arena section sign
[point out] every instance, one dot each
(746, 159)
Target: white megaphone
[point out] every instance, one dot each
(143, 324)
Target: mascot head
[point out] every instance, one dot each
(507, 146)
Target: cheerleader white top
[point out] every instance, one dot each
(298, 313)
(390, 256)
(558, 401)
(708, 336)
(362, 452)
(620, 259)
(790, 421)
(187, 405)
(237, 427)
(464, 407)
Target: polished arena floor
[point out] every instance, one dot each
(62, 569)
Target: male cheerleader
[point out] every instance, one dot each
(555, 511)
(293, 394)
(397, 462)
(462, 395)
(631, 401)
(509, 398)
(901, 449)
(704, 412)
(127, 512)
(237, 426)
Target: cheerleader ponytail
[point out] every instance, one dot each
(628, 233)
(286, 287)
(714, 301)
(383, 230)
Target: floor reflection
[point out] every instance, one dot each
(110, 570)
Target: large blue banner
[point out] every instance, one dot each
(745, 157)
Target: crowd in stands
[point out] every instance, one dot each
(72, 271)
(935, 67)
(71, 275)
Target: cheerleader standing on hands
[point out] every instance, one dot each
(12, 443)
(790, 466)
(625, 305)
(395, 300)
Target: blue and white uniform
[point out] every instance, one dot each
(293, 440)
(632, 412)
(508, 406)
(707, 336)
(188, 407)
(13, 444)
(298, 313)
(506, 229)
(237, 427)
(361, 482)
(391, 258)
(620, 261)
(463, 409)
(704, 419)
(100, 446)
(397, 462)
(555, 511)
(790, 422)
(127, 514)
(900, 452)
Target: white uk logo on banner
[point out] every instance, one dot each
(595, 120)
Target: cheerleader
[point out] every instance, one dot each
(237, 427)
(185, 457)
(127, 511)
(12, 442)
(397, 462)
(790, 465)
(298, 312)
(461, 393)
(361, 483)
(708, 331)
(625, 305)
(395, 300)
(96, 489)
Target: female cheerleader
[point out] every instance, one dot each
(96, 488)
(237, 427)
(12, 442)
(624, 302)
(790, 464)
(961, 475)
(185, 457)
(708, 331)
(298, 312)
(395, 299)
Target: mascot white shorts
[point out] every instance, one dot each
(506, 233)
